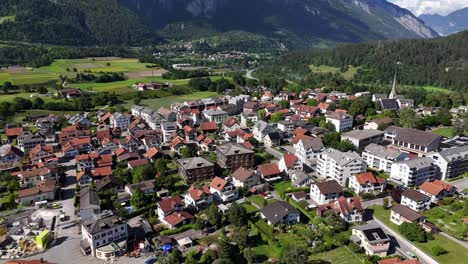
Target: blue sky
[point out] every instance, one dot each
(442, 7)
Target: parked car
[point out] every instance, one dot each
(150, 261)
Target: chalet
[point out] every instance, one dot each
(110, 183)
(415, 200)
(224, 190)
(437, 190)
(280, 213)
(146, 187)
(325, 192)
(349, 209)
(300, 179)
(44, 191)
(289, 163)
(245, 178)
(198, 198)
(168, 206)
(10, 157)
(403, 214)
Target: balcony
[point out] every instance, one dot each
(377, 248)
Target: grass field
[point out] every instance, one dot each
(444, 131)
(339, 255)
(156, 103)
(449, 223)
(456, 253)
(28, 77)
(4, 19)
(348, 75)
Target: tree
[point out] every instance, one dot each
(161, 167)
(239, 236)
(396, 195)
(214, 217)
(360, 106)
(413, 232)
(38, 103)
(294, 254)
(138, 97)
(236, 215)
(7, 86)
(138, 199)
(409, 119)
(222, 85)
(385, 203)
(284, 104)
(438, 250)
(312, 102)
(239, 79)
(42, 90)
(187, 152)
(261, 114)
(143, 173)
(276, 117)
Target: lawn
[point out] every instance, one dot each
(339, 255)
(156, 103)
(95, 65)
(444, 131)
(456, 253)
(249, 207)
(28, 77)
(4, 19)
(282, 186)
(257, 199)
(449, 223)
(267, 250)
(348, 75)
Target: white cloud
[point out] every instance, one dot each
(442, 7)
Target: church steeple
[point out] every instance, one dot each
(393, 94)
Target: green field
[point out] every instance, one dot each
(456, 253)
(444, 131)
(339, 255)
(156, 103)
(449, 223)
(4, 19)
(348, 75)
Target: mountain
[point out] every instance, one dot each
(270, 22)
(445, 25)
(71, 22)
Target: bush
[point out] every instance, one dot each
(438, 250)
(355, 248)
(413, 232)
(177, 230)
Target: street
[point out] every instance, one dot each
(461, 184)
(278, 155)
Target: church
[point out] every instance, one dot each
(392, 101)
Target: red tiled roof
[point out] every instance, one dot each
(289, 160)
(208, 126)
(230, 121)
(102, 172)
(236, 132)
(368, 177)
(431, 188)
(323, 106)
(106, 116)
(13, 132)
(120, 151)
(42, 187)
(347, 205)
(169, 204)
(36, 149)
(447, 186)
(196, 193)
(152, 152)
(218, 183)
(270, 169)
(178, 217)
(247, 145)
(137, 163)
(82, 157)
(299, 137)
(300, 131)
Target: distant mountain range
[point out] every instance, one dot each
(445, 25)
(139, 22)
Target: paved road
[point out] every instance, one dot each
(278, 155)
(378, 201)
(248, 75)
(461, 184)
(403, 245)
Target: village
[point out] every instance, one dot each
(247, 173)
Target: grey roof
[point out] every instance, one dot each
(389, 104)
(373, 233)
(342, 158)
(194, 163)
(108, 181)
(414, 136)
(338, 115)
(362, 134)
(382, 152)
(212, 112)
(169, 126)
(417, 163)
(147, 111)
(144, 185)
(88, 198)
(105, 223)
(316, 144)
(136, 107)
(406, 212)
(329, 187)
(414, 195)
(454, 153)
(380, 96)
(276, 211)
(261, 125)
(233, 149)
(4, 149)
(300, 176)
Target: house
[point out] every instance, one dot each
(326, 191)
(27, 141)
(167, 114)
(89, 204)
(245, 178)
(308, 149)
(349, 209)
(413, 140)
(248, 118)
(372, 239)
(299, 196)
(269, 172)
(232, 156)
(280, 213)
(231, 124)
(366, 182)
(178, 219)
(362, 138)
(217, 116)
(415, 200)
(132, 164)
(300, 179)
(194, 169)
(168, 128)
(286, 126)
(261, 129)
(267, 96)
(12, 133)
(403, 214)
(104, 238)
(224, 190)
(289, 163)
(169, 205)
(452, 162)
(337, 165)
(381, 158)
(199, 198)
(84, 177)
(146, 187)
(44, 191)
(208, 127)
(272, 139)
(414, 172)
(110, 183)
(379, 124)
(153, 154)
(119, 120)
(129, 143)
(10, 157)
(341, 121)
(30, 178)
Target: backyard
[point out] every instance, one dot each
(450, 223)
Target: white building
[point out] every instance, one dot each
(168, 128)
(415, 200)
(217, 116)
(245, 178)
(367, 183)
(341, 121)
(224, 190)
(119, 120)
(289, 163)
(308, 149)
(337, 165)
(413, 140)
(381, 158)
(325, 192)
(452, 162)
(261, 129)
(372, 239)
(414, 172)
(362, 138)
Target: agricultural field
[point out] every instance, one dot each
(156, 103)
(348, 75)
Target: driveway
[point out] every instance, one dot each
(278, 155)
(461, 184)
(378, 201)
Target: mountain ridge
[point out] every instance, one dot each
(452, 23)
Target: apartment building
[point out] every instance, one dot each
(232, 156)
(414, 172)
(197, 168)
(381, 158)
(337, 165)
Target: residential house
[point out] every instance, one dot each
(178, 219)
(231, 124)
(104, 238)
(30, 178)
(349, 209)
(119, 120)
(169, 205)
(208, 127)
(269, 172)
(13, 133)
(110, 183)
(44, 191)
(10, 157)
(217, 116)
(168, 128)
(372, 239)
(248, 117)
(326, 191)
(381, 158)
(341, 121)
(452, 162)
(415, 200)
(147, 187)
(413, 140)
(414, 172)
(272, 139)
(379, 124)
(27, 141)
(366, 182)
(308, 149)
(362, 138)
(437, 190)
(403, 214)
(84, 177)
(337, 165)
(245, 178)
(194, 169)
(232, 156)
(289, 163)
(167, 114)
(300, 179)
(199, 198)
(286, 126)
(261, 129)
(280, 213)
(224, 190)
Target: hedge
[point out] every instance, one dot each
(177, 230)
(300, 208)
